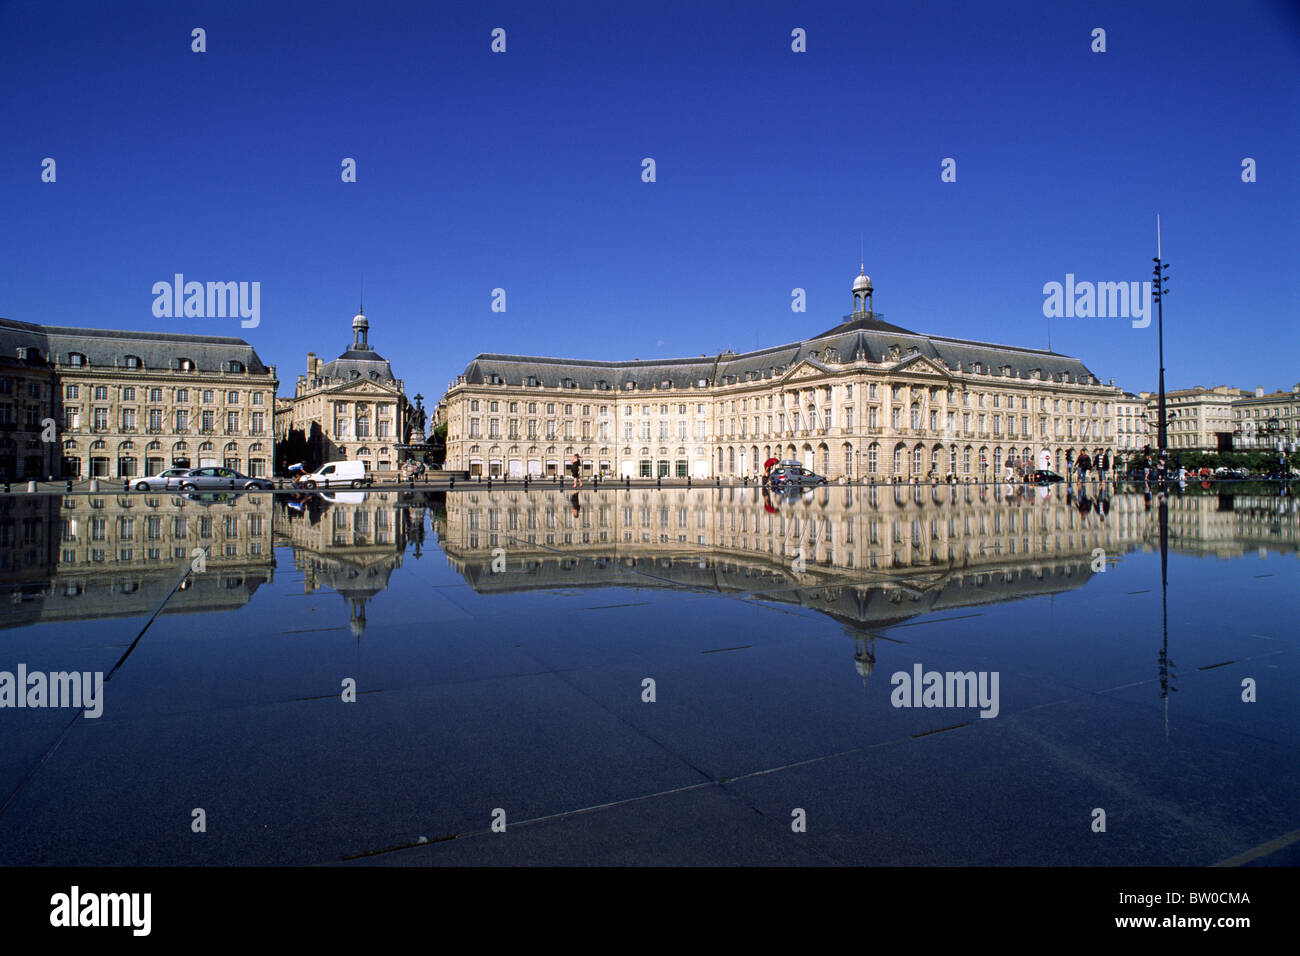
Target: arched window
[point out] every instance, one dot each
(918, 465)
(873, 456)
(916, 414)
(898, 459)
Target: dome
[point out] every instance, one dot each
(360, 321)
(862, 283)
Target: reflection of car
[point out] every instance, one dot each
(1224, 472)
(1042, 477)
(212, 478)
(168, 480)
(792, 474)
(209, 498)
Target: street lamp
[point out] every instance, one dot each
(1159, 290)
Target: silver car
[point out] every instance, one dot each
(223, 479)
(169, 480)
(792, 474)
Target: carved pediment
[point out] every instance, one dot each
(919, 364)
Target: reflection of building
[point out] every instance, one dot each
(872, 558)
(348, 541)
(129, 404)
(349, 409)
(862, 398)
(1267, 421)
(79, 557)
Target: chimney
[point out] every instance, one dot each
(1259, 392)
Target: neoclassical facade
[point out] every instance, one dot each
(352, 408)
(862, 399)
(1269, 422)
(130, 404)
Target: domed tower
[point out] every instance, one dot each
(360, 330)
(862, 293)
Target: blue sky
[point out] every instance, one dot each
(522, 171)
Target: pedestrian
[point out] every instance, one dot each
(575, 466)
(1084, 464)
(1103, 465)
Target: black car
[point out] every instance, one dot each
(1042, 477)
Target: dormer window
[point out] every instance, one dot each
(702, 383)
(185, 365)
(133, 361)
(569, 383)
(1006, 370)
(236, 366)
(76, 359)
(665, 384)
(355, 374)
(532, 381)
(630, 386)
(977, 367)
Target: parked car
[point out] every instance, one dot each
(788, 474)
(1042, 477)
(1224, 472)
(169, 480)
(337, 474)
(223, 479)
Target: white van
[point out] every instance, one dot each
(338, 474)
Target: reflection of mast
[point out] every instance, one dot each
(1166, 665)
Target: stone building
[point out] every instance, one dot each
(1195, 418)
(1132, 430)
(130, 404)
(352, 408)
(1270, 422)
(864, 398)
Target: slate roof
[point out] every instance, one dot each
(108, 348)
(367, 363)
(865, 337)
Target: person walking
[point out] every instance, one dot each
(575, 466)
(1084, 464)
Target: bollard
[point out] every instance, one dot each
(688, 481)
(126, 486)
(489, 482)
(94, 486)
(659, 482)
(718, 480)
(31, 486)
(69, 484)
(452, 484)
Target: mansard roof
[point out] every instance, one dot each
(108, 348)
(865, 337)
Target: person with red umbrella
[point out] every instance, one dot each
(767, 467)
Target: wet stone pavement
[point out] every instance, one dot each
(976, 675)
